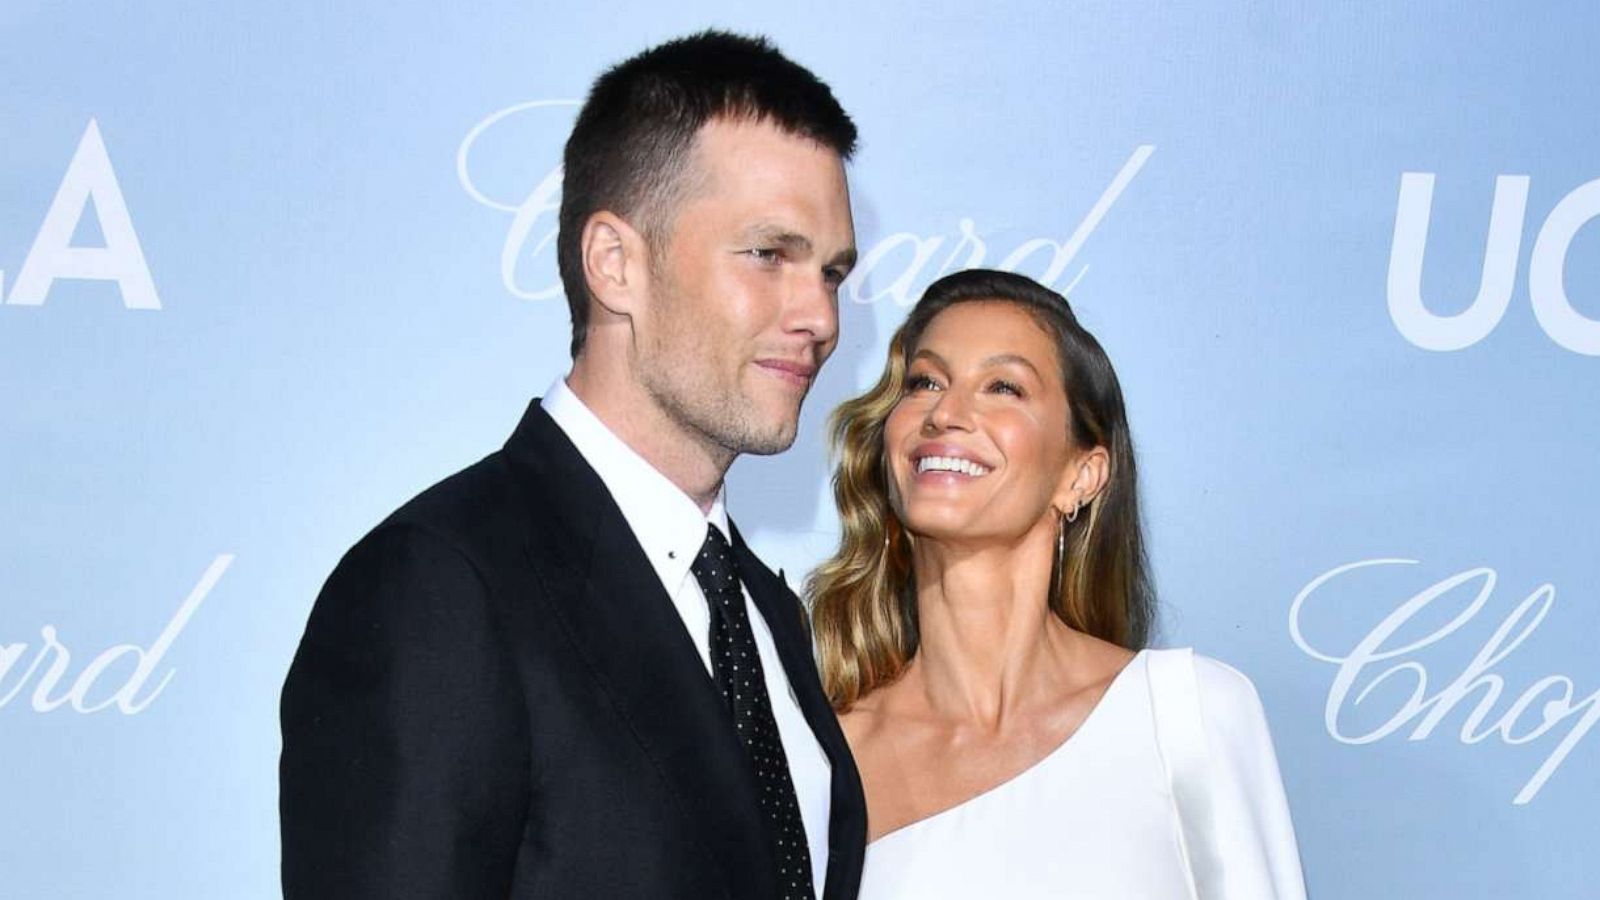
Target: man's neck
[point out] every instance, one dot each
(683, 455)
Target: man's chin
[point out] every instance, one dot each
(773, 423)
(770, 443)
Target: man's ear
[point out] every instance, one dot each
(1083, 479)
(614, 256)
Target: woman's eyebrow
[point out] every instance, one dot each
(1001, 359)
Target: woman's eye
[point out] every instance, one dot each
(920, 383)
(1006, 387)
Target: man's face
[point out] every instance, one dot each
(743, 299)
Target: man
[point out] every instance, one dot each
(560, 672)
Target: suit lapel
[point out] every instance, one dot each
(847, 817)
(607, 595)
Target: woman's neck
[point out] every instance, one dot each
(989, 645)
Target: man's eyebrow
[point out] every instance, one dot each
(793, 241)
(780, 236)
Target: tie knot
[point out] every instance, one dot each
(713, 567)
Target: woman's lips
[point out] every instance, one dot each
(951, 465)
(936, 461)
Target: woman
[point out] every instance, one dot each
(980, 633)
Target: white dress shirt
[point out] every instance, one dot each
(670, 527)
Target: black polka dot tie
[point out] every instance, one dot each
(736, 666)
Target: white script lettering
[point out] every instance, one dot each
(126, 697)
(901, 259)
(1422, 711)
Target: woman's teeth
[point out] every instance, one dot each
(950, 464)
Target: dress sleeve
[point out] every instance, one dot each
(1253, 834)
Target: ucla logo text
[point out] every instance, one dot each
(89, 177)
(1546, 286)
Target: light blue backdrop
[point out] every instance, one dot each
(311, 304)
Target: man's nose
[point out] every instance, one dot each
(814, 309)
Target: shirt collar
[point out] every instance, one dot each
(666, 521)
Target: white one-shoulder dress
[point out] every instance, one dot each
(1097, 818)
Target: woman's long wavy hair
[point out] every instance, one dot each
(863, 599)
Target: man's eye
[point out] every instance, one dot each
(834, 276)
(766, 254)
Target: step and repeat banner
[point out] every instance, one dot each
(268, 270)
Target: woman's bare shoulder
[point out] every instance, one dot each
(863, 719)
(1102, 660)
(880, 715)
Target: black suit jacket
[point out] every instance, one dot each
(495, 697)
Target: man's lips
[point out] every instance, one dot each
(793, 371)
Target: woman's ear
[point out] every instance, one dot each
(614, 254)
(1083, 479)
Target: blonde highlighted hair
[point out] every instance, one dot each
(863, 599)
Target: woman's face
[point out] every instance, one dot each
(977, 447)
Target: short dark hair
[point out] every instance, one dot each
(630, 146)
